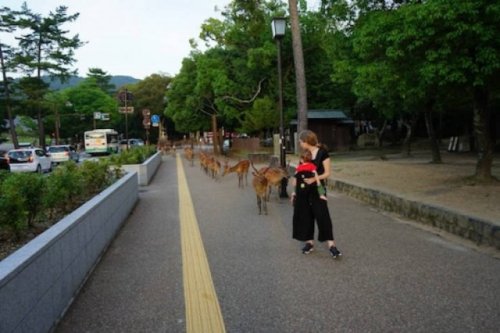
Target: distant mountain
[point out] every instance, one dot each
(120, 80)
(117, 80)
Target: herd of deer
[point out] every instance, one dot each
(264, 179)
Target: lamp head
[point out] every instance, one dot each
(278, 25)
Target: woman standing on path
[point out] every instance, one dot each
(308, 207)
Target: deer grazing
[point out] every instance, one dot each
(274, 177)
(260, 184)
(241, 168)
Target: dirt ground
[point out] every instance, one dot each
(448, 184)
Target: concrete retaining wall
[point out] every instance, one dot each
(469, 227)
(38, 281)
(146, 170)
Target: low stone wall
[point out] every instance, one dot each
(469, 227)
(39, 281)
(146, 170)
(475, 229)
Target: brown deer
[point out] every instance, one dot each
(260, 184)
(241, 168)
(188, 152)
(274, 177)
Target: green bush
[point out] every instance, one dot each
(21, 200)
(136, 155)
(65, 186)
(28, 198)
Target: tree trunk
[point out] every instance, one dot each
(300, 77)
(483, 138)
(215, 136)
(409, 131)
(12, 126)
(380, 134)
(436, 155)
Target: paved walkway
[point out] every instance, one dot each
(393, 277)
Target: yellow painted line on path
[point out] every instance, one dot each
(203, 312)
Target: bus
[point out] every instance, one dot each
(101, 141)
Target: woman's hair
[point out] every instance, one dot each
(308, 137)
(311, 139)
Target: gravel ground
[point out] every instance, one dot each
(448, 184)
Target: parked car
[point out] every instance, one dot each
(29, 160)
(268, 142)
(63, 153)
(4, 161)
(131, 143)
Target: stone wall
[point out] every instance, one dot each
(469, 227)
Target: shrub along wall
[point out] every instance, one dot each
(30, 203)
(39, 281)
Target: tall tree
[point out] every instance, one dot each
(102, 79)
(79, 104)
(298, 56)
(149, 93)
(45, 49)
(7, 24)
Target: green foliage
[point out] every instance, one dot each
(136, 155)
(27, 198)
(21, 200)
(64, 187)
(238, 69)
(148, 94)
(262, 116)
(87, 98)
(102, 80)
(95, 175)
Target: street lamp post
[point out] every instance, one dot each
(278, 25)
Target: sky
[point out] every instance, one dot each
(131, 37)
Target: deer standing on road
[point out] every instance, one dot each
(274, 177)
(188, 152)
(241, 168)
(260, 184)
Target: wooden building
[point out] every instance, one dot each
(333, 128)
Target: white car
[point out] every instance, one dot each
(63, 153)
(29, 160)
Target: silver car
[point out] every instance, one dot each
(29, 160)
(63, 153)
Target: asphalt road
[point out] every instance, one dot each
(393, 277)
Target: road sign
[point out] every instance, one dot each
(125, 96)
(128, 109)
(97, 115)
(155, 119)
(104, 116)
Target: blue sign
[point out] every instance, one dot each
(155, 119)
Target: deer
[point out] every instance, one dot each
(274, 177)
(260, 183)
(241, 168)
(188, 152)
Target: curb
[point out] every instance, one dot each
(480, 231)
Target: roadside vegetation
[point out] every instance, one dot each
(135, 155)
(30, 203)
